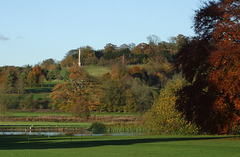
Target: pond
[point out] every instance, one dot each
(57, 131)
(65, 133)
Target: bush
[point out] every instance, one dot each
(163, 117)
(98, 128)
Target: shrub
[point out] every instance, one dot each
(98, 128)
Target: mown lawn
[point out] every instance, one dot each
(119, 146)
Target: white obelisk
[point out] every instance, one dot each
(79, 57)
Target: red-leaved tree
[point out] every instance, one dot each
(211, 62)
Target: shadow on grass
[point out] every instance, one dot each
(21, 142)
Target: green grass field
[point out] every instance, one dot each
(96, 70)
(19, 114)
(40, 114)
(35, 114)
(119, 146)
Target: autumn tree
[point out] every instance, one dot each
(81, 108)
(70, 59)
(141, 52)
(112, 52)
(138, 72)
(123, 93)
(210, 62)
(88, 56)
(10, 80)
(224, 60)
(35, 76)
(163, 117)
(48, 64)
(76, 93)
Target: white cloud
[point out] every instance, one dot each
(3, 37)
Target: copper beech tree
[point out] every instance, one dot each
(211, 62)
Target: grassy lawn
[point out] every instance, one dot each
(52, 83)
(96, 70)
(119, 146)
(40, 114)
(38, 96)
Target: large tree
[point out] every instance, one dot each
(35, 77)
(210, 61)
(76, 95)
(10, 80)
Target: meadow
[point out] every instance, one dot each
(102, 146)
(39, 113)
(96, 70)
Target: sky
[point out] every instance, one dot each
(35, 30)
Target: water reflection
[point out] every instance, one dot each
(58, 131)
(62, 133)
(33, 133)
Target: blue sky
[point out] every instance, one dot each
(34, 30)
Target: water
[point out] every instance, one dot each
(64, 133)
(58, 131)
(33, 133)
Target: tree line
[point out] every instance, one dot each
(156, 56)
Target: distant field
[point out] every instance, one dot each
(39, 114)
(19, 118)
(35, 114)
(96, 70)
(119, 146)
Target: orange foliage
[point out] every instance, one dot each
(140, 48)
(79, 87)
(225, 62)
(69, 62)
(34, 76)
(2, 78)
(211, 62)
(139, 72)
